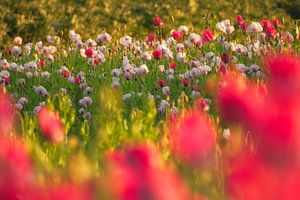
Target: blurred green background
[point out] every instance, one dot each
(34, 19)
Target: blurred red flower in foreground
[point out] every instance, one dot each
(249, 180)
(15, 171)
(6, 114)
(50, 125)
(192, 138)
(71, 191)
(237, 100)
(272, 118)
(281, 125)
(284, 73)
(252, 179)
(16, 175)
(142, 177)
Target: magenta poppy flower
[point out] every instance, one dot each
(239, 20)
(177, 35)
(157, 21)
(89, 52)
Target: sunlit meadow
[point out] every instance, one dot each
(181, 113)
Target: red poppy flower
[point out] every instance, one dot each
(66, 73)
(16, 171)
(276, 23)
(271, 32)
(51, 125)
(158, 21)
(142, 177)
(77, 80)
(244, 26)
(161, 83)
(151, 38)
(42, 64)
(72, 191)
(173, 65)
(191, 138)
(250, 179)
(185, 83)
(157, 54)
(207, 35)
(89, 52)
(266, 24)
(237, 100)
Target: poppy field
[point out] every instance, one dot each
(180, 114)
